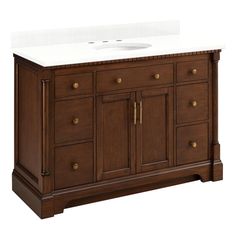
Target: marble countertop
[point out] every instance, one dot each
(81, 52)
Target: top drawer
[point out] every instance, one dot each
(75, 84)
(192, 70)
(134, 77)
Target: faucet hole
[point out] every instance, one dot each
(91, 42)
(105, 41)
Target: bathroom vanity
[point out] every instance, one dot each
(105, 118)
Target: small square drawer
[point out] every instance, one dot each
(134, 77)
(192, 144)
(192, 103)
(73, 120)
(74, 165)
(75, 84)
(192, 70)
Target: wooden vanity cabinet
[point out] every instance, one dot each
(94, 131)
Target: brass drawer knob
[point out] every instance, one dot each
(194, 103)
(193, 144)
(75, 121)
(157, 76)
(194, 71)
(119, 80)
(75, 85)
(75, 166)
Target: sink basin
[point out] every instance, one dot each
(122, 46)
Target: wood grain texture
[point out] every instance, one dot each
(64, 85)
(115, 135)
(66, 157)
(29, 122)
(185, 70)
(217, 170)
(115, 155)
(66, 112)
(134, 77)
(186, 95)
(155, 130)
(194, 133)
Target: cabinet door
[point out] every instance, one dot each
(155, 129)
(115, 135)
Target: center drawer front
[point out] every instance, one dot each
(73, 120)
(74, 165)
(192, 103)
(134, 77)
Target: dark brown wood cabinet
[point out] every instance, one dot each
(115, 136)
(94, 131)
(155, 129)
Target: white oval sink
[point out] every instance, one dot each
(122, 46)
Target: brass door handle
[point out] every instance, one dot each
(135, 113)
(140, 112)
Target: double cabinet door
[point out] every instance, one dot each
(134, 132)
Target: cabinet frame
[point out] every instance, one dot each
(38, 191)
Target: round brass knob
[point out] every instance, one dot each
(75, 85)
(157, 76)
(118, 80)
(194, 103)
(75, 121)
(194, 71)
(193, 144)
(75, 166)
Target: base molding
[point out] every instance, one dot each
(43, 206)
(48, 205)
(217, 165)
(217, 170)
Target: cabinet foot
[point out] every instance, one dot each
(42, 206)
(217, 171)
(217, 166)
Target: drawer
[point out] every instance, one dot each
(134, 77)
(73, 120)
(74, 165)
(75, 84)
(192, 103)
(192, 70)
(192, 144)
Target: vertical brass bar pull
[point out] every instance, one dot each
(135, 113)
(140, 112)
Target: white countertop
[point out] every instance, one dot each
(82, 52)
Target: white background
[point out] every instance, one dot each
(189, 209)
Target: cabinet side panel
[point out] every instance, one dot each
(29, 122)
